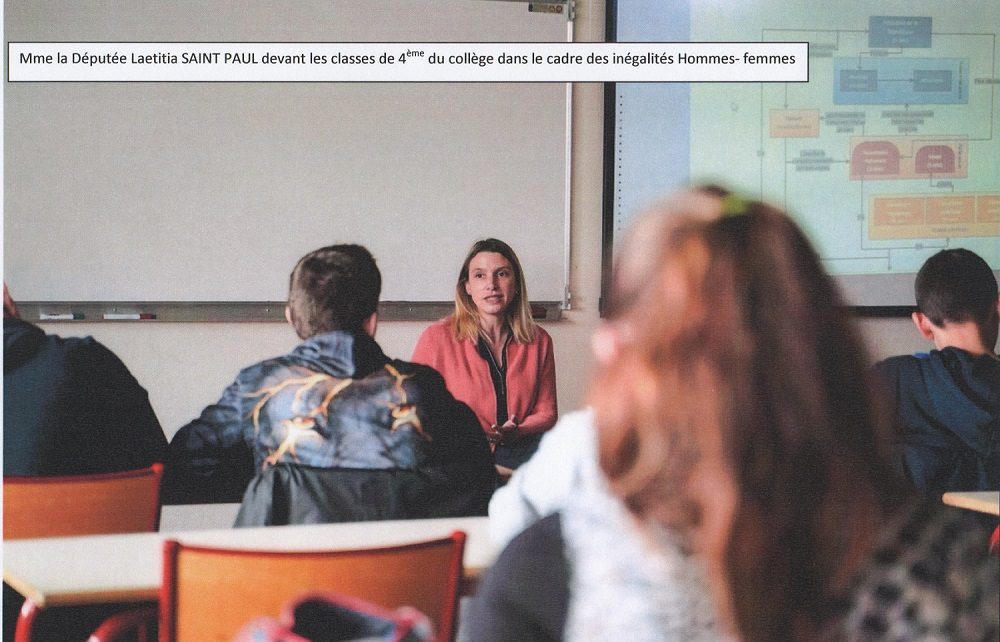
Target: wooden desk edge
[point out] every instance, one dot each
(471, 576)
(24, 589)
(80, 598)
(983, 502)
(474, 567)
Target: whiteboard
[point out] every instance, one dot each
(197, 192)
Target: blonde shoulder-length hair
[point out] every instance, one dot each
(465, 320)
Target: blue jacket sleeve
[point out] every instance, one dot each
(209, 459)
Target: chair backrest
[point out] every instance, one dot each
(122, 502)
(210, 593)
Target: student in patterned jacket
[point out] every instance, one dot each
(334, 430)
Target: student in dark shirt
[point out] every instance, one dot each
(947, 402)
(70, 406)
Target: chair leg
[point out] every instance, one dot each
(139, 624)
(26, 621)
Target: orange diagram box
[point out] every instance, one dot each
(988, 209)
(902, 157)
(904, 216)
(794, 123)
(951, 209)
(899, 210)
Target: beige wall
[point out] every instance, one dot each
(186, 365)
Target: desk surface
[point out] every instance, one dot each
(984, 501)
(197, 517)
(105, 568)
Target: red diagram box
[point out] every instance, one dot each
(901, 157)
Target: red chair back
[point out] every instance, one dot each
(123, 502)
(210, 593)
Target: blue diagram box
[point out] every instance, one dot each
(931, 80)
(858, 80)
(905, 32)
(899, 81)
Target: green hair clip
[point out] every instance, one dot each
(733, 205)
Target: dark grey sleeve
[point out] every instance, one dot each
(526, 594)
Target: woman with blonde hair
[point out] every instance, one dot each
(736, 422)
(492, 354)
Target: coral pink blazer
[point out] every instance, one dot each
(531, 376)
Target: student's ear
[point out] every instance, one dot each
(924, 325)
(10, 308)
(371, 324)
(288, 315)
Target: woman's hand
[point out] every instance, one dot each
(500, 435)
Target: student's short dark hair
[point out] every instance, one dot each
(333, 288)
(957, 286)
